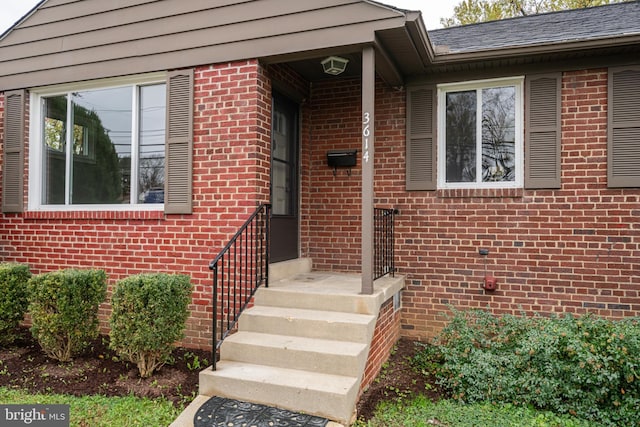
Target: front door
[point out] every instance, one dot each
(284, 180)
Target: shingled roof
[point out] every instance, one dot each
(578, 25)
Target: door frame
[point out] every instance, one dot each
(293, 107)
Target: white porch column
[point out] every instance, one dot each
(368, 110)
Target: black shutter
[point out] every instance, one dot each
(543, 124)
(421, 138)
(13, 161)
(623, 168)
(179, 146)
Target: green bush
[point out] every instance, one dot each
(148, 317)
(64, 310)
(13, 299)
(587, 366)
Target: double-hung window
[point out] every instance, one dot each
(99, 146)
(480, 134)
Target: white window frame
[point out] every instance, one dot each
(443, 89)
(36, 178)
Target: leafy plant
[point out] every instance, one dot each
(149, 312)
(64, 310)
(193, 361)
(586, 366)
(13, 299)
(3, 369)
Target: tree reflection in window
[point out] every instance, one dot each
(461, 136)
(495, 139)
(498, 134)
(94, 171)
(55, 131)
(104, 145)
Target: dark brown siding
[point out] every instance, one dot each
(421, 138)
(543, 124)
(624, 127)
(13, 162)
(66, 41)
(179, 147)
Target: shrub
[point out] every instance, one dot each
(64, 310)
(13, 299)
(149, 315)
(586, 366)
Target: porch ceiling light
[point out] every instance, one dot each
(334, 65)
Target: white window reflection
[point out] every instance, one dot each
(98, 143)
(480, 142)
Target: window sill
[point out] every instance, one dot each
(95, 215)
(458, 193)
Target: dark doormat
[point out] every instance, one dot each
(219, 411)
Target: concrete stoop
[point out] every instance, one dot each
(303, 346)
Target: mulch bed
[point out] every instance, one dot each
(398, 379)
(100, 372)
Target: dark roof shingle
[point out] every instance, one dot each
(592, 23)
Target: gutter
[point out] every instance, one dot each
(417, 33)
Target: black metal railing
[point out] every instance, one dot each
(238, 271)
(383, 242)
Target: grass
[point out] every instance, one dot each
(100, 411)
(422, 412)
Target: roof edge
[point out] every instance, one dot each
(539, 14)
(419, 36)
(388, 6)
(22, 19)
(543, 48)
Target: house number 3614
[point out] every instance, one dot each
(366, 132)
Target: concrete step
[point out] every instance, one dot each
(284, 297)
(303, 346)
(329, 396)
(327, 325)
(284, 269)
(310, 354)
(330, 292)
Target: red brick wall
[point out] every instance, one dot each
(231, 174)
(570, 250)
(385, 336)
(333, 199)
(573, 249)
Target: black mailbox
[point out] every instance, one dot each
(339, 158)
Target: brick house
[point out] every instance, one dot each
(188, 115)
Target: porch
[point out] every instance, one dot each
(310, 343)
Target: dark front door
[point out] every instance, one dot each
(284, 180)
